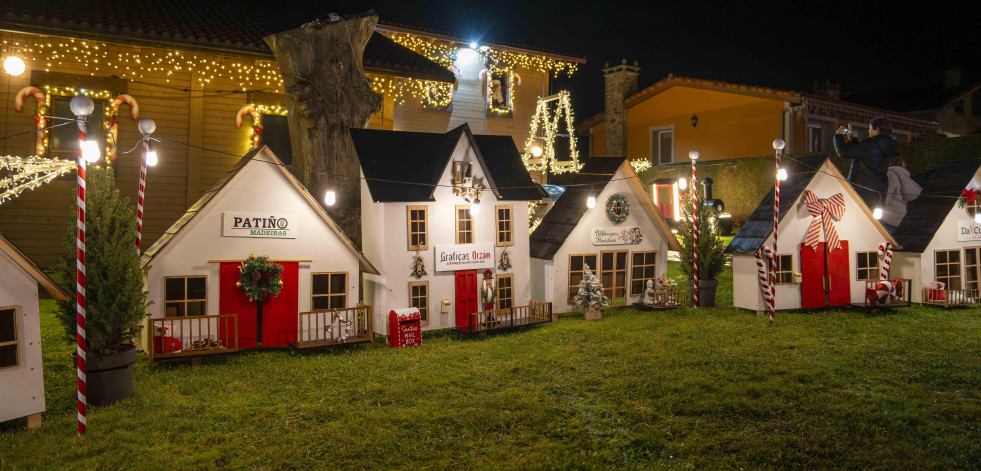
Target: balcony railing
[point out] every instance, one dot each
(171, 337)
(328, 327)
(951, 297)
(537, 312)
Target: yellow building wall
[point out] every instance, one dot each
(729, 125)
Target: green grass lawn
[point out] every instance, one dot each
(717, 388)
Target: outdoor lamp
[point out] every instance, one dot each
(682, 183)
(151, 156)
(782, 174)
(591, 202)
(536, 150)
(330, 198)
(877, 213)
(90, 151)
(693, 155)
(779, 144)
(81, 105)
(13, 65)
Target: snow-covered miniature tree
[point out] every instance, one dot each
(590, 296)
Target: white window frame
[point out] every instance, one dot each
(654, 131)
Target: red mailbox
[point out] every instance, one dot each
(404, 328)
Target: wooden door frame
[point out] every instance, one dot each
(626, 269)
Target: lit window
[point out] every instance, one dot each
(63, 140)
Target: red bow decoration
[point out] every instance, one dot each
(825, 212)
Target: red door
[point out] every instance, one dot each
(279, 315)
(466, 297)
(815, 290)
(665, 200)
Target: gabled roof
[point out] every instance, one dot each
(925, 214)
(800, 172)
(592, 178)
(32, 269)
(235, 28)
(402, 166)
(162, 242)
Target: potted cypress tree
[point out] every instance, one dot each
(115, 299)
(711, 259)
(590, 295)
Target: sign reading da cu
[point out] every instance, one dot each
(464, 257)
(968, 231)
(259, 225)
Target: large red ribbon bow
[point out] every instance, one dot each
(825, 212)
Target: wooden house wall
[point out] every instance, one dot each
(187, 112)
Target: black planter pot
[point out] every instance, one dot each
(706, 292)
(109, 378)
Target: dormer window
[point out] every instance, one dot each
(462, 173)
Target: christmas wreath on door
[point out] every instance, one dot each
(260, 277)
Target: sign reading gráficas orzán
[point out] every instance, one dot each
(464, 257)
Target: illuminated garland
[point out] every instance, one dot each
(550, 128)
(640, 165)
(444, 53)
(28, 173)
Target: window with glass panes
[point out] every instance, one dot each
(418, 223)
(642, 268)
(867, 265)
(505, 291)
(972, 267)
(662, 145)
(613, 276)
(947, 268)
(63, 140)
(576, 267)
(784, 269)
(504, 234)
(329, 290)
(464, 225)
(973, 207)
(419, 298)
(9, 335)
(185, 296)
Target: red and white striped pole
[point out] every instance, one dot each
(147, 126)
(693, 155)
(778, 145)
(81, 107)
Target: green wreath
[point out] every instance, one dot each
(260, 278)
(617, 208)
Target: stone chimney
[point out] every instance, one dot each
(621, 82)
(829, 90)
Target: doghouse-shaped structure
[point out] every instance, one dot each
(258, 208)
(942, 241)
(445, 218)
(817, 207)
(623, 239)
(21, 367)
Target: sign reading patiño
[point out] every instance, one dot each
(259, 225)
(968, 231)
(464, 257)
(617, 235)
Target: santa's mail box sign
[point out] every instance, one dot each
(404, 328)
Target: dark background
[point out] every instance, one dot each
(865, 46)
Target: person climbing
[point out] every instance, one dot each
(901, 190)
(870, 159)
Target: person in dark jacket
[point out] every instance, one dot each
(870, 159)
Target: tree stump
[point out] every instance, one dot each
(327, 93)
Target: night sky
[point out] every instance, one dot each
(865, 46)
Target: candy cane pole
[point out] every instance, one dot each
(693, 155)
(81, 107)
(147, 126)
(778, 145)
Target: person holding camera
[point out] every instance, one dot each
(870, 159)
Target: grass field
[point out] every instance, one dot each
(716, 388)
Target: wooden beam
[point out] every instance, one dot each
(195, 136)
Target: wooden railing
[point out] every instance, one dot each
(334, 327)
(951, 297)
(670, 299)
(192, 335)
(536, 312)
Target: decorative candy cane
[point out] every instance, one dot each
(42, 105)
(763, 253)
(517, 78)
(885, 257)
(80, 280)
(134, 112)
(778, 147)
(140, 192)
(694, 227)
(484, 74)
(456, 71)
(256, 122)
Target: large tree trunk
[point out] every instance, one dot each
(327, 93)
